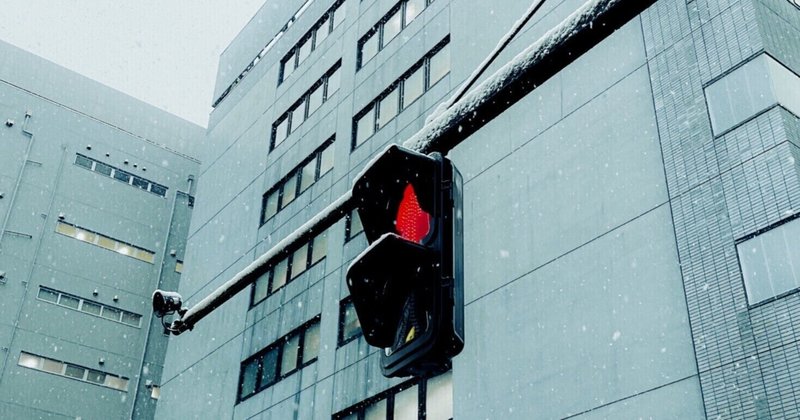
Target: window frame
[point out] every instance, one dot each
(398, 85)
(296, 172)
(288, 258)
(310, 36)
(378, 30)
(341, 339)
(277, 345)
(737, 242)
(287, 115)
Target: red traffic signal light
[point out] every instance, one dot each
(407, 286)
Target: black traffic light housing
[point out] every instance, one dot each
(407, 286)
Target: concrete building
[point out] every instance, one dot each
(630, 226)
(95, 203)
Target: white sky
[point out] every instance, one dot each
(164, 52)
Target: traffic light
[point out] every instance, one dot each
(407, 286)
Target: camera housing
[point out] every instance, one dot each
(165, 303)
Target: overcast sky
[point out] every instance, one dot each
(162, 52)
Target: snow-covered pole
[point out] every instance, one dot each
(577, 34)
(555, 50)
(328, 216)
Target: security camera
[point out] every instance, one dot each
(165, 303)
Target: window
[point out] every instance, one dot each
(297, 181)
(349, 327)
(311, 40)
(439, 65)
(430, 399)
(388, 27)
(155, 392)
(280, 359)
(770, 262)
(291, 120)
(179, 266)
(120, 175)
(56, 367)
(352, 225)
(410, 86)
(288, 268)
(89, 307)
(338, 15)
(85, 235)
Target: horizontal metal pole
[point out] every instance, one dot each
(324, 219)
(580, 32)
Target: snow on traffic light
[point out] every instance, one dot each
(407, 286)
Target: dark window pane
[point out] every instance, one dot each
(91, 308)
(270, 368)
(158, 189)
(69, 301)
(249, 372)
(74, 371)
(139, 182)
(102, 168)
(83, 161)
(96, 377)
(122, 176)
(48, 295)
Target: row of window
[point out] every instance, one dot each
(429, 399)
(309, 102)
(263, 52)
(289, 268)
(297, 181)
(120, 175)
(106, 242)
(280, 359)
(311, 40)
(404, 91)
(388, 28)
(72, 371)
(90, 307)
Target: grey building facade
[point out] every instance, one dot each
(95, 203)
(630, 226)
